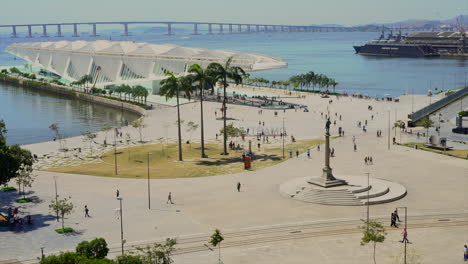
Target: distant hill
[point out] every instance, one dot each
(428, 25)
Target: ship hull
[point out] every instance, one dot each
(396, 50)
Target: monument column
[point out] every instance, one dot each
(327, 179)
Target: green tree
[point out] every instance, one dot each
(216, 239)
(399, 124)
(158, 253)
(94, 249)
(12, 158)
(202, 77)
(89, 136)
(427, 123)
(63, 207)
(140, 125)
(25, 178)
(223, 73)
(171, 87)
(373, 232)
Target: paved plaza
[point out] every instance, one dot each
(260, 224)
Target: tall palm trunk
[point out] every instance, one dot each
(178, 127)
(224, 117)
(203, 155)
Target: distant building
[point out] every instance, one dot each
(113, 63)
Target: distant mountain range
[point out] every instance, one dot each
(412, 25)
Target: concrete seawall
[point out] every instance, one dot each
(76, 95)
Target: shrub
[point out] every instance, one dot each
(8, 189)
(128, 259)
(64, 230)
(24, 200)
(94, 249)
(463, 113)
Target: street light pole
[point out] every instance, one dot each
(121, 226)
(283, 137)
(388, 129)
(115, 150)
(368, 189)
(406, 228)
(56, 196)
(149, 191)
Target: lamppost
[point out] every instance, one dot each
(115, 150)
(42, 253)
(121, 226)
(406, 227)
(283, 137)
(388, 129)
(438, 129)
(149, 191)
(56, 196)
(368, 190)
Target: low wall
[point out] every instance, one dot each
(76, 95)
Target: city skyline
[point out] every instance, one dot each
(243, 11)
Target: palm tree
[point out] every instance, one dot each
(223, 73)
(171, 87)
(203, 77)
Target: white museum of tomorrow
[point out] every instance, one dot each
(118, 62)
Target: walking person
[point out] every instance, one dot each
(169, 198)
(117, 193)
(372, 163)
(465, 253)
(238, 187)
(318, 147)
(355, 147)
(86, 211)
(297, 153)
(365, 160)
(290, 153)
(396, 215)
(308, 153)
(405, 236)
(393, 220)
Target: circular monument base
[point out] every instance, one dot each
(356, 192)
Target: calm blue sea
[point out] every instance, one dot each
(326, 52)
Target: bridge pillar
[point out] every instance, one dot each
(93, 34)
(75, 30)
(248, 28)
(125, 30)
(230, 28)
(239, 28)
(169, 29)
(13, 34)
(265, 27)
(44, 31)
(195, 29)
(257, 28)
(59, 31)
(210, 29)
(29, 31)
(220, 28)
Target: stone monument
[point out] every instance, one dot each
(327, 179)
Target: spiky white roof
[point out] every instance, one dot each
(248, 61)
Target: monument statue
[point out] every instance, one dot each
(327, 127)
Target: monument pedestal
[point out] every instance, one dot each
(327, 180)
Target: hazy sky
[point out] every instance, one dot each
(245, 11)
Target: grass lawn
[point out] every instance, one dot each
(132, 162)
(461, 153)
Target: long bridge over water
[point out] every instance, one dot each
(212, 28)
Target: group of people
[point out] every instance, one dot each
(14, 218)
(368, 160)
(379, 133)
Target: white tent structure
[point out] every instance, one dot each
(116, 62)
